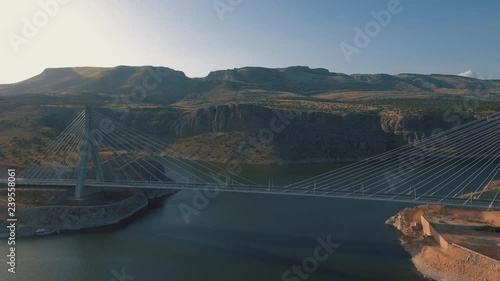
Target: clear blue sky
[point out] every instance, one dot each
(427, 36)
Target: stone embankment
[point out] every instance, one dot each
(52, 219)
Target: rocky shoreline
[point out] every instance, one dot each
(435, 262)
(56, 219)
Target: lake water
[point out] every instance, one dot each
(236, 237)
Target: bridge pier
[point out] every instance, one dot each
(88, 146)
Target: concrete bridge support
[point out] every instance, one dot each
(89, 145)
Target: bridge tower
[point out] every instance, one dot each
(88, 147)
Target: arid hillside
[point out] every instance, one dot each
(321, 115)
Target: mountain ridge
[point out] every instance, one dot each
(300, 80)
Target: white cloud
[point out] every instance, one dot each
(470, 73)
(477, 75)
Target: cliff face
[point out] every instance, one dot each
(332, 137)
(276, 135)
(402, 129)
(294, 136)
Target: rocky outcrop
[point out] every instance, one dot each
(452, 263)
(309, 136)
(403, 128)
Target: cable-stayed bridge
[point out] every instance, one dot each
(449, 168)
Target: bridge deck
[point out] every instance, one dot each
(279, 190)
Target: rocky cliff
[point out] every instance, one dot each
(290, 136)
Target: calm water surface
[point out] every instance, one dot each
(237, 237)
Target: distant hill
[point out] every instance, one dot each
(307, 81)
(116, 80)
(296, 80)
